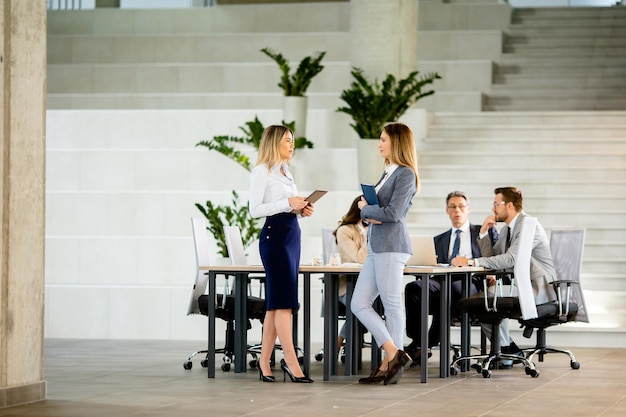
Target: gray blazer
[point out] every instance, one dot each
(395, 199)
(542, 271)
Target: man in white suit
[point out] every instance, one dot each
(507, 208)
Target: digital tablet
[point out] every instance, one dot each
(369, 192)
(312, 198)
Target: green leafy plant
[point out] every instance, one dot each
(373, 105)
(253, 130)
(233, 214)
(297, 83)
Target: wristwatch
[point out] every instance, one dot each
(470, 262)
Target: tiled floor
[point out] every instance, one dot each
(145, 378)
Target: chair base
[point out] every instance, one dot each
(484, 363)
(540, 351)
(485, 360)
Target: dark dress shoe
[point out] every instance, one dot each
(417, 358)
(395, 365)
(376, 377)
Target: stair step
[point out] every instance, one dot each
(570, 187)
(531, 159)
(518, 175)
(189, 48)
(250, 101)
(556, 79)
(508, 103)
(558, 33)
(519, 91)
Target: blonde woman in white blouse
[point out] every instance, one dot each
(274, 195)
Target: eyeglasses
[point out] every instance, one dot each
(457, 207)
(497, 203)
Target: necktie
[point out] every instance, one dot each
(457, 244)
(382, 177)
(508, 238)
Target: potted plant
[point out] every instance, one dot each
(294, 85)
(236, 214)
(371, 105)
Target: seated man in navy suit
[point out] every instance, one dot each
(447, 247)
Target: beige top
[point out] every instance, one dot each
(352, 244)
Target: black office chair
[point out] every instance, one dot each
(502, 304)
(224, 305)
(566, 247)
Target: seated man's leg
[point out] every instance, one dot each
(413, 307)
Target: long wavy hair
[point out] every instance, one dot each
(402, 148)
(270, 143)
(353, 216)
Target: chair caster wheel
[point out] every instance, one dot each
(574, 364)
(253, 363)
(477, 367)
(225, 367)
(453, 370)
(187, 365)
(319, 357)
(343, 359)
(486, 373)
(532, 372)
(301, 360)
(204, 363)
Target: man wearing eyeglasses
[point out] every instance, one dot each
(447, 246)
(507, 208)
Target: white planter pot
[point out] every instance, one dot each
(219, 260)
(295, 109)
(369, 162)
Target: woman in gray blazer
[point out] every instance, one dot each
(389, 247)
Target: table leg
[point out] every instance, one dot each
(330, 330)
(352, 340)
(307, 324)
(211, 321)
(424, 335)
(465, 323)
(241, 322)
(444, 330)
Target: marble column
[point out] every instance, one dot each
(384, 37)
(22, 213)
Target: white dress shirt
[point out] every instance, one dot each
(388, 171)
(270, 190)
(466, 240)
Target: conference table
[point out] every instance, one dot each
(330, 274)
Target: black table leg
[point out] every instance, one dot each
(465, 323)
(444, 330)
(307, 324)
(241, 322)
(424, 335)
(211, 321)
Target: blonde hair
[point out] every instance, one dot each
(270, 143)
(402, 148)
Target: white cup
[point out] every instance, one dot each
(335, 259)
(317, 261)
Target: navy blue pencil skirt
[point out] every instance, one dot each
(279, 246)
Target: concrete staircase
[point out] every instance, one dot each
(562, 59)
(135, 90)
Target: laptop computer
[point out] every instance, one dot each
(423, 251)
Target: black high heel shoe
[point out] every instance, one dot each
(264, 378)
(301, 379)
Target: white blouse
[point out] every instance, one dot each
(270, 190)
